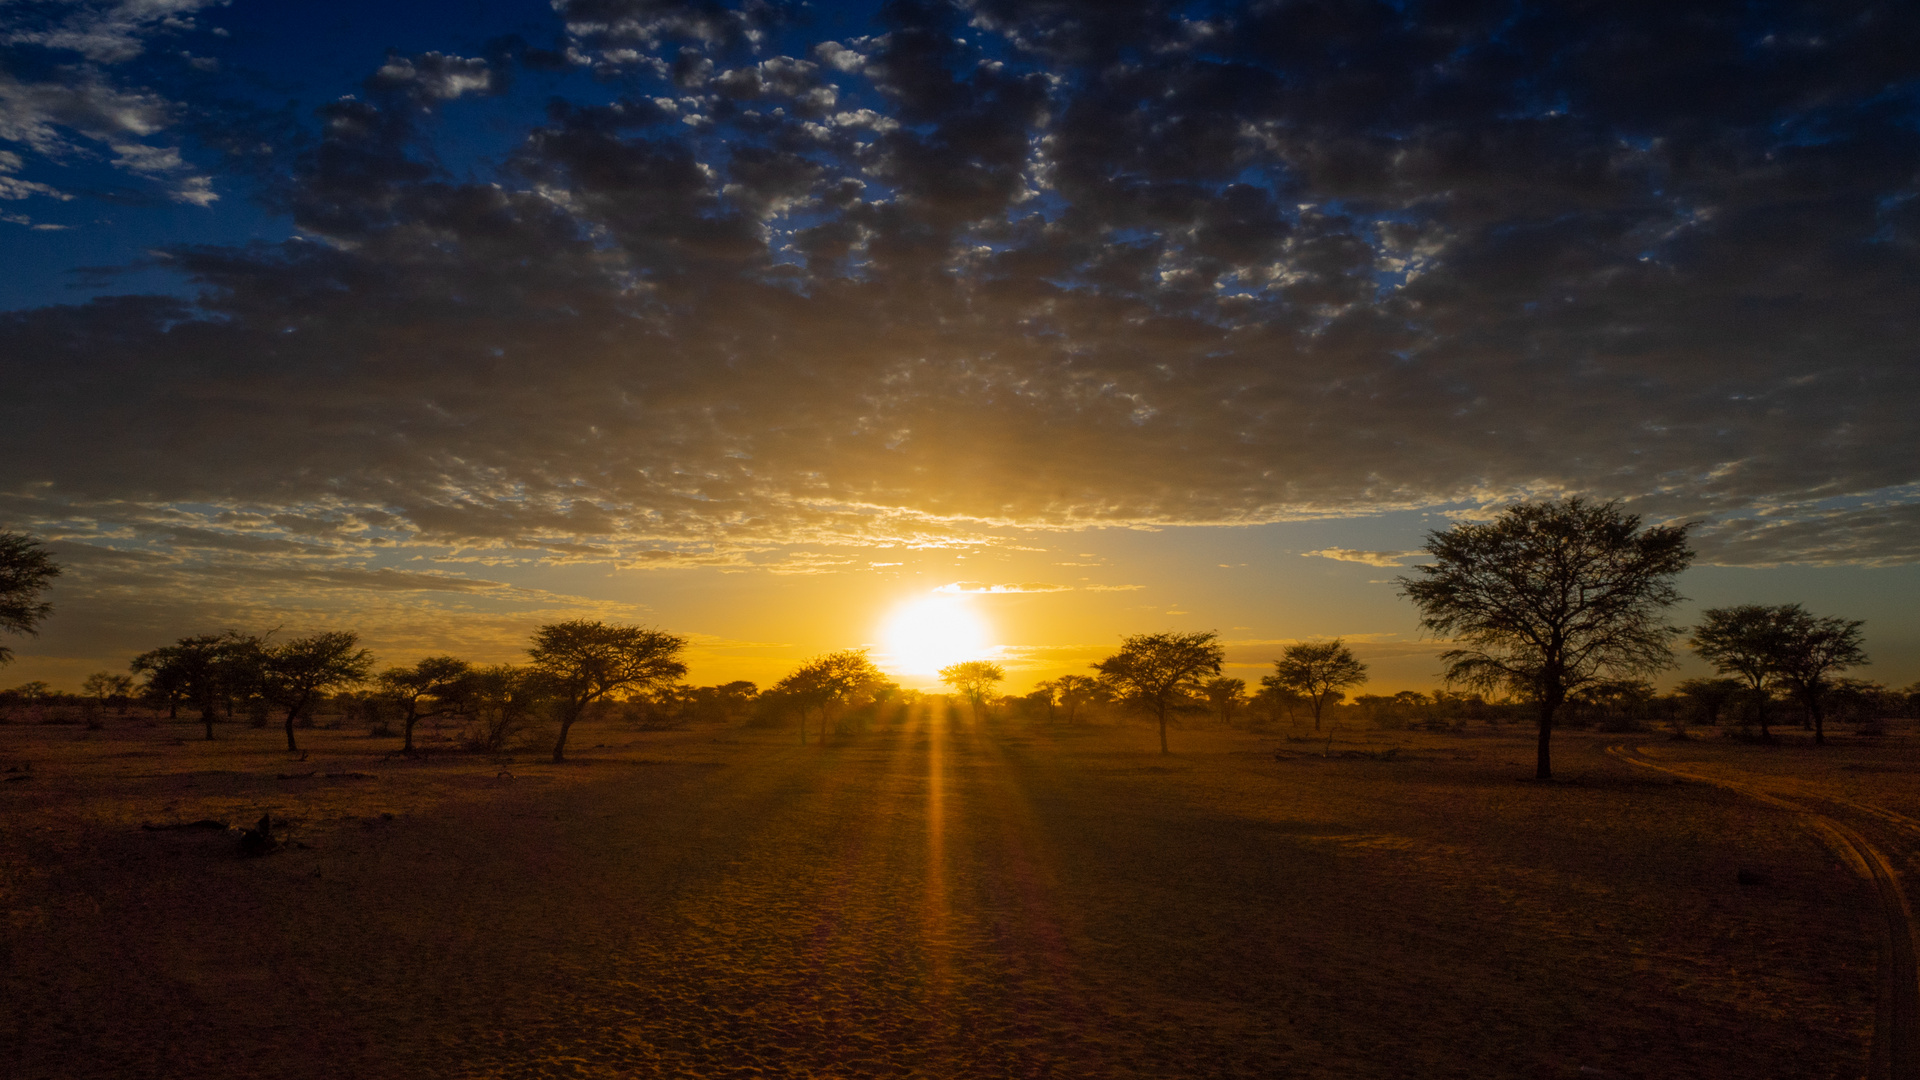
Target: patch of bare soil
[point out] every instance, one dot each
(922, 902)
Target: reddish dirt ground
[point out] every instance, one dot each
(932, 902)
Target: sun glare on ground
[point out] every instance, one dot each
(922, 636)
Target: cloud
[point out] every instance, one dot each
(1370, 558)
(62, 100)
(980, 588)
(109, 32)
(436, 77)
(1886, 534)
(1068, 266)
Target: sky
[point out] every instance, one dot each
(1044, 322)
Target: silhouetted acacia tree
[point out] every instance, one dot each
(1709, 697)
(107, 686)
(1276, 699)
(440, 678)
(1743, 641)
(1549, 597)
(1158, 671)
(826, 682)
(716, 703)
(1318, 671)
(205, 670)
(1810, 649)
(588, 660)
(295, 671)
(1075, 691)
(500, 701)
(974, 680)
(26, 571)
(1225, 695)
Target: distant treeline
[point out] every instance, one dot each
(1555, 612)
(1633, 705)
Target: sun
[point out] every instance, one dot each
(922, 636)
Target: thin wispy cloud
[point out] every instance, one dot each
(979, 588)
(1369, 558)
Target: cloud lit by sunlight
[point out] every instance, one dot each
(924, 635)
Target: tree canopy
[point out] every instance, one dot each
(1549, 597)
(294, 671)
(826, 682)
(1812, 649)
(1225, 695)
(1075, 691)
(439, 677)
(205, 670)
(1742, 641)
(587, 660)
(1319, 671)
(26, 571)
(1158, 671)
(973, 680)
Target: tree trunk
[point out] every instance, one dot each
(407, 727)
(560, 745)
(206, 717)
(1316, 716)
(1163, 728)
(292, 711)
(1543, 756)
(1819, 720)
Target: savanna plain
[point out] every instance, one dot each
(941, 898)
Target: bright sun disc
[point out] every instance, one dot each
(926, 635)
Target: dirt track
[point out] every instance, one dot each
(1896, 1035)
(925, 903)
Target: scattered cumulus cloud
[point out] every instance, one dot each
(79, 103)
(736, 299)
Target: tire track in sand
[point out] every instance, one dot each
(1895, 1054)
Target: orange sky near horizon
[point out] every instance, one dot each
(1042, 604)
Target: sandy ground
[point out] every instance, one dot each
(928, 902)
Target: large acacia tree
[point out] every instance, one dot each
(585, 660)
(1550, 597)
(1160, 671)
(26, 570)
(1319, 671)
